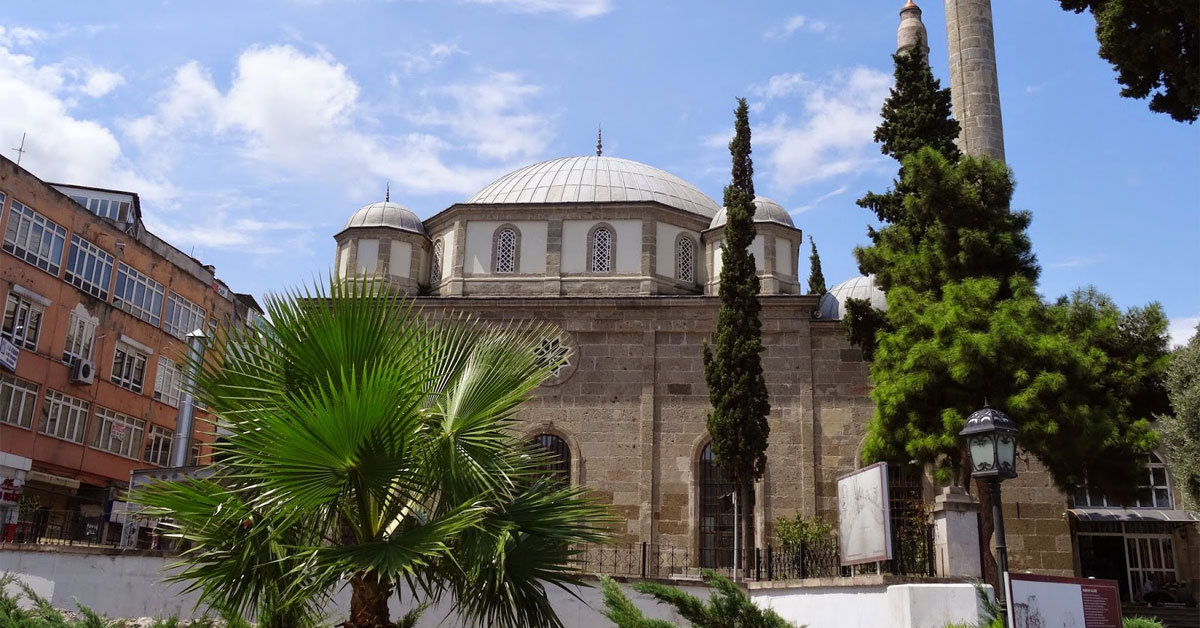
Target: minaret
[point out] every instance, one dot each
(974, 89)
(912, 30)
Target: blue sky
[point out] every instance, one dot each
(252, 130)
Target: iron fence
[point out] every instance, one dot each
(74, 528)
(912, 555)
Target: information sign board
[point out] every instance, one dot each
(1045, 601)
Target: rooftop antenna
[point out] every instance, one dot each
(387, 195)
(20, 150)
(599, 140)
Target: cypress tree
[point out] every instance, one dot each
(732, 364)
(816, 278)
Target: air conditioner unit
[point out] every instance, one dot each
(83, 372)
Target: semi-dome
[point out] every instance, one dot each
(595, 179)
(833, 303)
(765, 210)
(386, 214)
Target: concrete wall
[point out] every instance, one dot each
(129, 585)
(532, 246)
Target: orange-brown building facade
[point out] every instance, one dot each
(96, 314)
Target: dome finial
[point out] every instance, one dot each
(599, 140)
(387, 194)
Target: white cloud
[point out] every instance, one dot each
(571, 8)
(428, 59)
(491, 115)
(19, 36)
(301, 114)
(817, 201)
(831, 137)
(59, 146)
(99, 82)
(1181, 330)
(1078, 261)
(789, 26)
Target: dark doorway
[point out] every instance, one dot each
(1104, 557)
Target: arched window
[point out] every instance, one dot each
(601, 245)
(716, 512)
(1154, 491)
(685, 258)
(506, 248)
(560, 455)
(435, 266)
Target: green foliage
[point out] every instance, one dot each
(1141, 622)
(797, 530)
(366, 443)
(816, 278)
(732, 365)
(728, 607)
(862, 323)
(1154, 45)
(917, 112)
(1181, 427)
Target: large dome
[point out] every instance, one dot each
(386, 214)
(595, 180)
(833, 303)
(765, 210)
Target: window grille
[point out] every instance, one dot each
(22, 322)
(138, 294)
(560, 454)
(158, 446)
(89, 268)
(685, 259)
(117, 433)
(34, 238)
(553, 352)
(602, 250)
(17, 398)
(506, 251)
(183, 316)
(129, 368)
(435, 267)
(716, 512)
(64, 416)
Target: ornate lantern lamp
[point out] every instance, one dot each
(991, 439)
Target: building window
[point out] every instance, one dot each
(64, 416)
(553, 353)
(22, 322)
(601, 244)
(111, 209)
(167, 382)
(89, 268)
(17, 399)
(80, 334)
(138, 294)
(435, 267)
(34, 238)
(1153, 492)
(368, 257)
(685, 259)
(506, 250)
(183, 316)
(129, 368)
(716, 512)
(559, 463)
(158, 446)
(117, 433)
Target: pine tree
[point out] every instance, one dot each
(732, 365)
(1181, 428)
(816, 278)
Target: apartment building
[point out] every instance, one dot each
(97, 310)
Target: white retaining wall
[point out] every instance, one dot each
(130, 585)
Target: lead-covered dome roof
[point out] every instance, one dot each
(595, 180)
(765, 210)
(386, 214)
(833, 303)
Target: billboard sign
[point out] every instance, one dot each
(1042, 601)
(864, 525)
(8, 355)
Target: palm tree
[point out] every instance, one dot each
(367, 443)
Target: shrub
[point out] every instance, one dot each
(1141, 622)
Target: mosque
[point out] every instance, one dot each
(622, 258)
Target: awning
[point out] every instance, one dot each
(50, 479)
(1118, 515)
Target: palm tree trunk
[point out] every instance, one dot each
(369, 602)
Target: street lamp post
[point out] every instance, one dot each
(991, 439)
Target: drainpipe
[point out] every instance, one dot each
(184, 425)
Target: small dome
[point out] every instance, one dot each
(765, 210)
(594, 180)
(833, 302)
(386, 214)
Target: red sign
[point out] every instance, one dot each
(1038, 601)
(9, 491)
